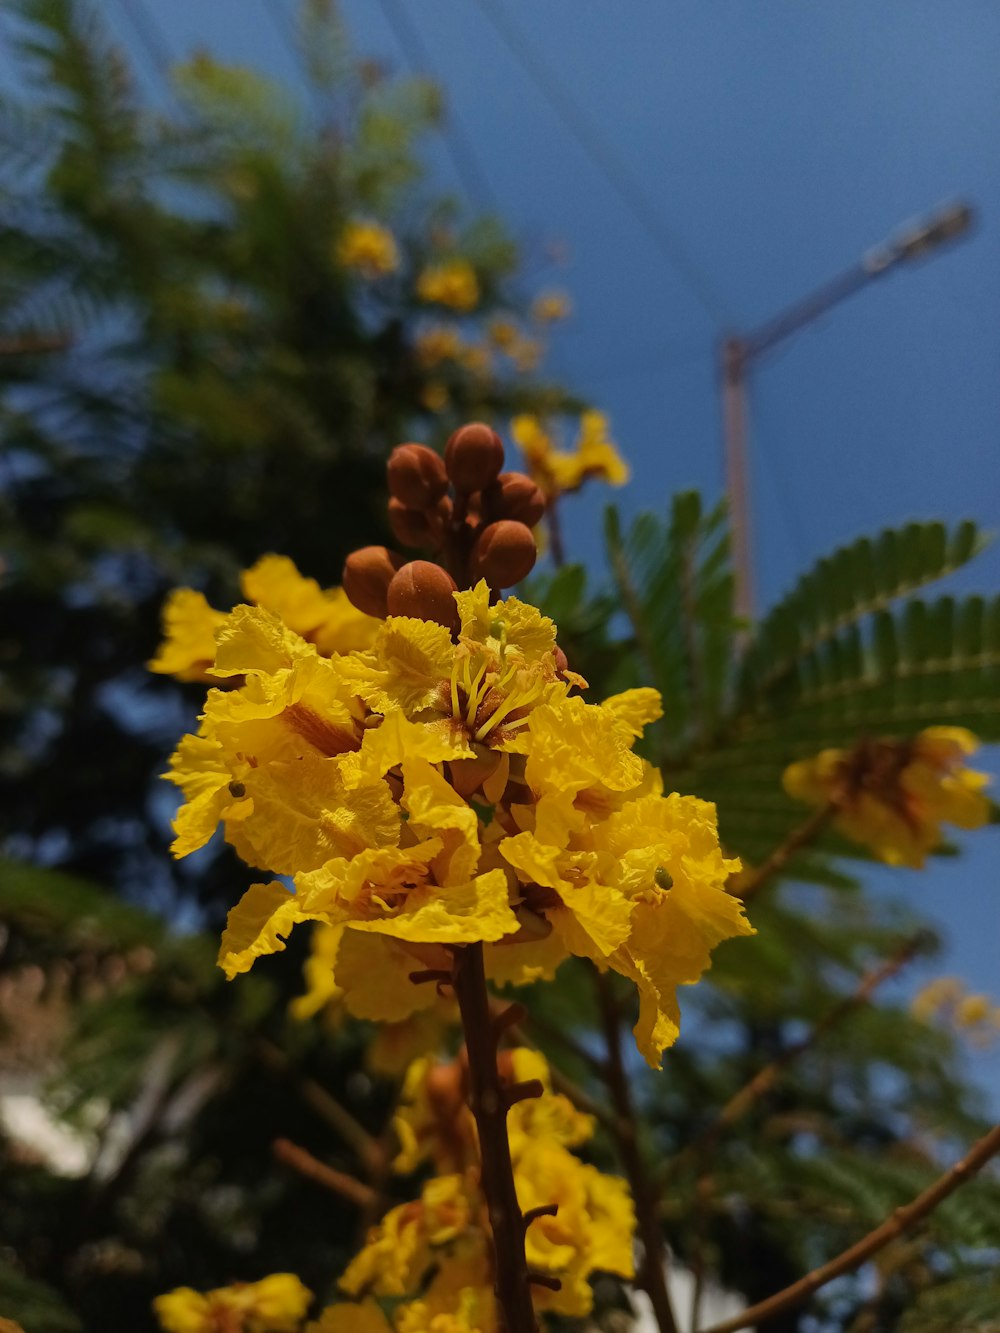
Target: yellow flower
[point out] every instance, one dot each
(452, 283)
(434, 1121)
(555, 471)
(592, 1231)
(367, 247)
(350, 1318)
(892, 796)
(434, 396)
(433, 346)
(275, 1304)
(550, 307)
(938, 994)
(503, 333)
(404, 1244)
(974, 1016)
(189, 626)
(324, 617)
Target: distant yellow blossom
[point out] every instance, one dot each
(367, 247)
(275, 1304)
(556, 471)
(433, 346)
(434, 396)
(945, 999)
(503, 333)
(550, 307)
(892, 796)
(452, 283)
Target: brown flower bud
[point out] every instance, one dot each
(513, 495)
(366, 578)
(419, 527)
(424, 591)
(416, 475)
(504, 553)
(445, 1091)
(473, 457)
(562, 661)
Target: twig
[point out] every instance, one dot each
(369, 1150)
(329, 1177)
(489, 1103)
(900, 1221)
(556, 547)
(781, 855)
(33, 344)
(652, 1278)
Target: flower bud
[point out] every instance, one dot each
(424, 591)
(416, 475)
(419, 527)
(366, 578)
(513, 495)
(504, 553)
(473, 457)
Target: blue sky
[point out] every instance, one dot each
(774, 143)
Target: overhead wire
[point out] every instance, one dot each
(467, 168)
(150, 36)
(604, 156)
(282, 25)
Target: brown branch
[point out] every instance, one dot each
(489, 1106)
(33, 344)
(652, 1277)
(556, 547)
(781, 855)
(348, 1187)
(900, 1221)
(370, 1152)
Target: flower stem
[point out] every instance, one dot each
(489, 1104)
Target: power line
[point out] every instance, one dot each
(617, 172)
(460, 148)
(150, 36)
(283, 27)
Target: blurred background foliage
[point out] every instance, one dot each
(192, 376)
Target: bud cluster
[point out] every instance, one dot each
(464, 509)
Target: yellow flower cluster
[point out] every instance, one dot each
(451, 283)
(946, 999)
(426, 793)
(434, 346)
(368, 248)
(275, 1304)
(550, 307)
(445, 1232)
(324, 617)
(556, 471)
(893, 796)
